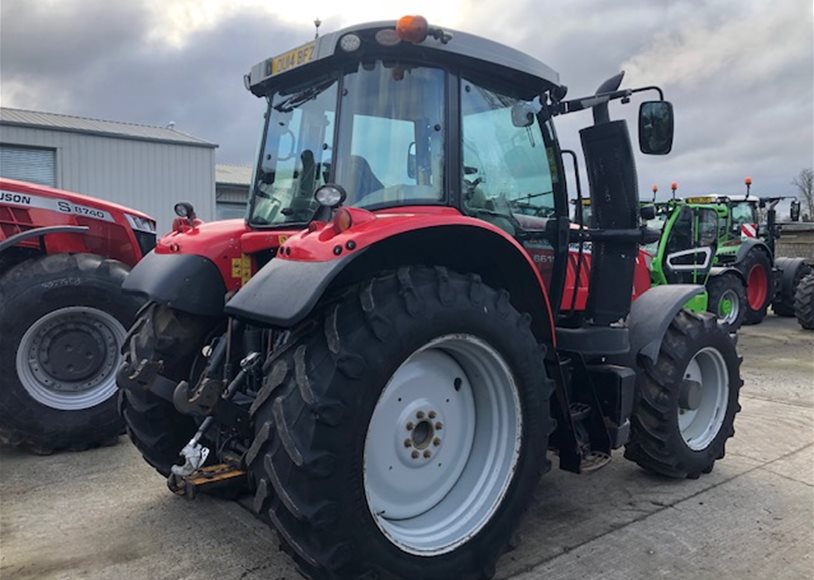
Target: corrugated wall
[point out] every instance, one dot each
(145, 175)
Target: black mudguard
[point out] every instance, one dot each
(789, 268)
(182, 281)
(650, 315)
(747, 245)
(721, 270)
(283, 292)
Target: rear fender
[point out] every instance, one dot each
(650, 316)
(315, 261)
(725, 271)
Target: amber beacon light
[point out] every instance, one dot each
(412, 28)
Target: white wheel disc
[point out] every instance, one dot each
(442, 445)
(700, 426)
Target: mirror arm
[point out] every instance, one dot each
(580, 104)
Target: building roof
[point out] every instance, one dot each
(233, 175)
(86, 125)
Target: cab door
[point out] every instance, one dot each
(691, 246)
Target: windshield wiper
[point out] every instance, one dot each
(298, 99)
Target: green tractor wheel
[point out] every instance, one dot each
(727, 299)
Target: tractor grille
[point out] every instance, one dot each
(146, 241)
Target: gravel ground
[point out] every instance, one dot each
(104, 514)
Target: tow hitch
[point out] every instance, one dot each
(190, 477)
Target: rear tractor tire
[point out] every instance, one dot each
(756, 268)
(63, 319)
(402, 432)
(804, 302)
(154, 425)
(687, 400)
(727, 300)
(783, 304)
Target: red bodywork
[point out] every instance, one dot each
(230, 244)
(26, 206)
(319, 241)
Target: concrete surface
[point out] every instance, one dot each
(104, 514)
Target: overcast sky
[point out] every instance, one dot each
(740, 73)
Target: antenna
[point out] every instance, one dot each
(317, 23)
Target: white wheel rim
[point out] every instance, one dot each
(435, 493)
(700, 426)
(44, 384)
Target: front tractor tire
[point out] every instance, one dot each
(175, 339)
(727, 300)
(401, 433)
(687, 399)
(804, 302)
(63, 319)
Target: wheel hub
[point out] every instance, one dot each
(71, 352)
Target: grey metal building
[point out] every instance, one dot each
(144, 167)
(232, 184)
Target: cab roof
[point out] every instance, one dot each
(468, 50)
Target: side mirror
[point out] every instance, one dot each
(656, 127)
(411, 162)
(794, 211)
(523, 114)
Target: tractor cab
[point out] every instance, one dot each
(425, 121)
(688, 244)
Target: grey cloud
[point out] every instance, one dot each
(739, 73)
(95, 58)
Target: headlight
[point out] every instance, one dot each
(141, 224)
(330, 195)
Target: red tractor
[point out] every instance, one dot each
(389, 381)
(63, 257)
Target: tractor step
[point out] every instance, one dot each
(207, 479)
(594, 460)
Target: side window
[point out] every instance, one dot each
(707, 227)
(506, 165)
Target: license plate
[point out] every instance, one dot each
(292, 59)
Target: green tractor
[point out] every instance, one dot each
(685, 254)
(748, 246)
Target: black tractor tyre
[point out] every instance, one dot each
(756, 268)
(313, 414)
(63, 319)
(783, 304)
(154, 425)
(657, 443)
(732, 287)
(804, 302)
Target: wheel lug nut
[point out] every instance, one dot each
(432, 415)
(410, 426)
(419, 415)
(439, 425)
(427, 454)
(436, 441)
(408, 443)
(415, 454)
